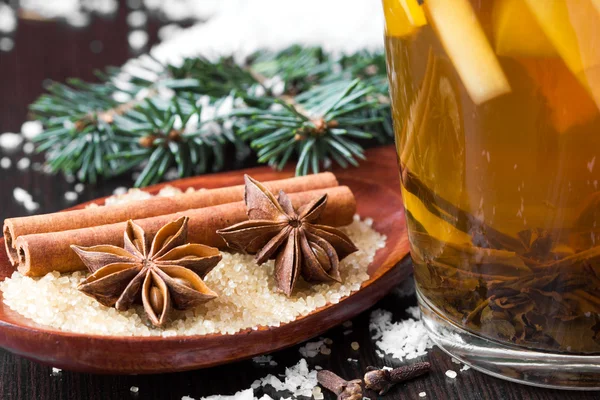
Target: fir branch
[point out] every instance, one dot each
(299, 103)
(317, 127)
(158, 138)
(80, 119)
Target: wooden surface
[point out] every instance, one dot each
(49, 50)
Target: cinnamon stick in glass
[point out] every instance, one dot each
(45, 252)
(155, 206)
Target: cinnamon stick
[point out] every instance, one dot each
(45, 252)
(155, 206)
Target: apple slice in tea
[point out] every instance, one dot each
(465, 42)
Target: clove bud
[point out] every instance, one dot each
(345, 390)
(382, 380)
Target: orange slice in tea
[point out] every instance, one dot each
(516, 31)
(435, 226)
(402, 17)
(573, 27)
(464, 40)
(434, 148)
(568, 102)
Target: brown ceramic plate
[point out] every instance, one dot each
(375, 185)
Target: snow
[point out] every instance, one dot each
(136, 19)
(8, 18)
(298, 380)
(405, 339)
(30, 129)
(137, 39)
(22, 196)
(358, 24)
(28, 148)
(10, 141)
(71, 196)
(6, 44)
(23, 163)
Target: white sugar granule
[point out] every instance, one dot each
(5, 162)
(451, 374)
(79, 187)
(405, 339)
(248, 297)
(10, 141)
(422, 394)
(30, 129)
(134, 389)
(465, 368)
(56, 371)
(123, 195)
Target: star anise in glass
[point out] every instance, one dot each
(298, 244)
(165, 273)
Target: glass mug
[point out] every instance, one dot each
(496, 108)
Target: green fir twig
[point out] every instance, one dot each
(298, 104)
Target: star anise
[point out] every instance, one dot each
(165, 273)
(298, 244)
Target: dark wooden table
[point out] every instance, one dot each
(50, 50)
